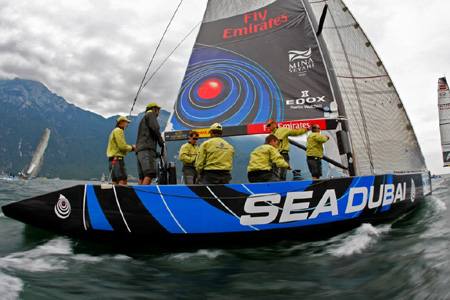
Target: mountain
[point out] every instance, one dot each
(78, 139)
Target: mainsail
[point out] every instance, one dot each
(269, 62)
(444, 118)
(38, 157)
(246, 68)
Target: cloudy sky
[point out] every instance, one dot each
(94, 53)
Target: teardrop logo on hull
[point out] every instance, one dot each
(62, 207)
(413, 190)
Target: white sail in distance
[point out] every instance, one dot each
(444, 118)
(38, 157)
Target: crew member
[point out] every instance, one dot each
(261, 160)
(314, 151)
(117, 150)
(215, 160)
(147, 138)
(188, 156)
(283, 134)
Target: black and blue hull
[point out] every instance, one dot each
(232, 214)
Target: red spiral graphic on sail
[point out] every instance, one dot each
(225, 87)
(210, 88)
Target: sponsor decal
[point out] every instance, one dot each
(62, 207)
(445, 106)
(203, 132)
(304, 124)
(306, 101)
(413, 191)
(222, 147)
(255, 22)
(300, 61)
(260, 208)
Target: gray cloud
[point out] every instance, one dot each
(94, 54)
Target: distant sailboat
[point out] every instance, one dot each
(38, 158)
(444, 118)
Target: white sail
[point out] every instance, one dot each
(444, 118)
(38, 157)
(382, 136)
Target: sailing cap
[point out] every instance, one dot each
(152, 104)
(122, 119)
(215, 126)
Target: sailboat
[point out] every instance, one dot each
(300, 63)
(38, 158)
(444, 118)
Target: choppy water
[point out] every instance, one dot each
(405, 259)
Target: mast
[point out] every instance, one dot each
(343, 135)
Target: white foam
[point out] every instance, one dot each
(53, 255)
(438, 205)
(122, 257)
(358, 241)
(211, 254)
(47, 257)
(10, 287)
(87, 258)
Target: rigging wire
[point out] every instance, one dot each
(170, 54)
(164, 61)
(151, 60)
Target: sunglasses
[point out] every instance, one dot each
(195, 138)
(268, 125)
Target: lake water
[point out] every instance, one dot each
(405, 259)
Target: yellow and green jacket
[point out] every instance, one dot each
(263, 157)
(215, 154)
(117, 146)
(188, 154)
(283, 134)
(314, 144)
